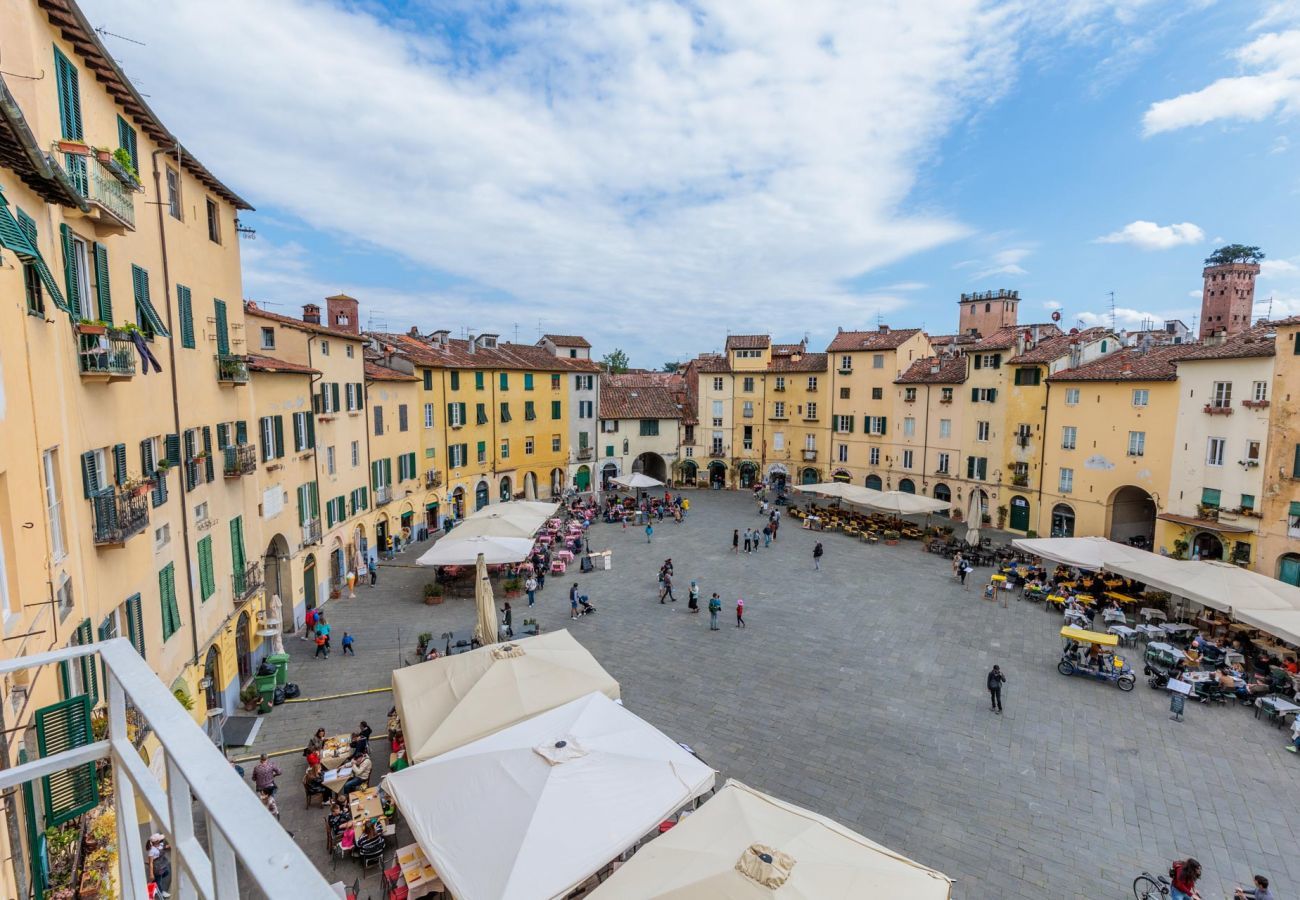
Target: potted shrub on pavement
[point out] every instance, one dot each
(433, 593)
(513, 587)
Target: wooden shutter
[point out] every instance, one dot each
(71, 285)
(185, 304)
(374, 474)
(89, 473)
(207, 579)
(171, 615)
(65, 78)
(884, 424)
(173, 445)
(388, 471)
(223, 435)
(1295, 468)
(334, 396)
(126, 140)
(979, 360)
(311, 429)
(59, 727)
(207, 449)
(302, 504)
(238, 561)
(451, 413)
(89, 671)
(135, 623)
(428, 379)
(241, 432)
(119, 463)
(279, 436)
(974, 395)
(102, 291)
(223, 327)
(993, 395)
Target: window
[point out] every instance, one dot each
(63, 597)
(456, 455)
(983, 395)
(988, 360)
(347, 350)
(1247, 501)
(1069, 437)
(378, 413)
(304, 432)
(649, 428)
(778, 410)
(480, 413)
(977, 468)
(844, 393)
(844, 424)
(877, 393)
(162, 537)
(945, 395)
(505, 412)
(171, 616)
(478, 381)
(778, 440)
(126, 141)
(842, 452)
(717, 384)
(717, 442)
(324, 348)
(456, 414)
(749, 354)
(747, 409)
(945, 428)
(329, 461)
(1252, 451)
(747, 438)
(717, 413)
(1214, 452)
(268, 338)
(877, 360)
(907, 459)
(812, 411)
(555, 409)
(846, 363)
(1066, 482)
(481, 451)
(356, 454)
(909, 394)
(1141, 396)
(1259, 393)
(810, 442)
(1137, 443)
(214, 222)
(53, 507)
(505, 448)
(528, 381)
(943, 463)
(982, 431)
(812, 383)
(555, 382)
(428, 415)
(1222, 394)
(505, 381)
(555, 443)
(875, 424)
(1072, 397)
(873, 456)
(747, 384)
(528, 446)
(780, 382)
(173, 192)
(454, 379)
(1028, 376)
(1211, 497)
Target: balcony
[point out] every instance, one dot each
(583, 453)
(231, 369)
(104, 354)
(1255, 404)
(240, 460)
(311, 533)
(1218, 409)
(909, 398)
(196, 472)
(810, 456)
(112, 199)
(432, 478)
(383, 494)
(717, 452)
(248, 582)
(845, 370)
(946, 399)
(1022, 440)
(780, 388)
(1020, 480)
(120, 513)
(243, 841)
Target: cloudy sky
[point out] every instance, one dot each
(654, 174)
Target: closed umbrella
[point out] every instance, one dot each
(974, 515)
(276, 613)
(486, 631)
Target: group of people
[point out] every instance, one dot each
(693, 597)
(648, 509)
(752, 538)
(318, 629)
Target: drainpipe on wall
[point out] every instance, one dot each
(1042, 465)
(176, 403)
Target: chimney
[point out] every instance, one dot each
(471, 341)
(884, 329)
(440, 337)
(1126, 368)
(311, 313)
(343, 315)
(934, 366)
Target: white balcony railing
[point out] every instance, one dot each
(241, 834)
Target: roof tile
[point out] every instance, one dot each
(258, 363)
(636, 402)
(567, 340)
(886, 339)
(1157, 364)
(935, 370)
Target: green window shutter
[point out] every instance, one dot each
(428, 379)
(480, 413)
(59, 727)
(223, 327)
(451, 412)
(528, 381)
(313, 500)
(1294, 508)
(388, 470)
(374, 474)
(173, 443)
(65, 81)
(207, 449)
(299, 432)
(71, 285)
(146, 316)
(361, 395)
(223, 435)
(167, 598)
(311, 430)
(464, 413)
(302, 504)
(135, 623)
(159, 488)
(268, 447)
(997, 360)
(334, 396)
(505, 381)
(978, 361)
(455, 376)
(365, 497)
(1295, 468)
(102, 292)
(206, 580)
(241, 432)
(184, 303)
(238, 562)
(884, 424)
(119, 463)
(89, 671)
(126, 140)
(279, 436)
(555, 409)
(974, 395)
(90, 473)
(478, 381)
(993, 395)
(1016, 378)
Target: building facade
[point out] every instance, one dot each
(640, 421)
(1278, 550)
(584, 406)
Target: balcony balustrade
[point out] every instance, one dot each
(383, 494)
(311, 533)
(248, 582)
(239, 460)
(119, 513)
(111, 199)
(105, 354)
(232, 369)
(810, 456)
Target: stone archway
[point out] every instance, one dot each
(1019, 518)
(809, 476)
(481, 494)
(279, 576)
(907, 486)
(689, 470)
(748, 474)
(1062, 520)
(505, 490)
(607, 472)
(1131, 516)
(458, 502)
(651, 464)
(717, 473)
(582, 479)
(873, 482)
(1207, 546)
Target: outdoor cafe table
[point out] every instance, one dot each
(419, 876)
(1279, 707)
(364, 806)
(1152, 632)
(1126, 634)
(1122, 598)
(336, 778)
(1177, 628)
(337, 751)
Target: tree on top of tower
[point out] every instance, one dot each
(1234, 253)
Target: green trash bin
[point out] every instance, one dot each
(281, 663)
(266, 686)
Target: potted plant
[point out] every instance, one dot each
(249, 697)
(422, 643)
(513, 587)
(74, 146)
(1180, 548)
(891, 536)
(1002, 516)
(92, 326)
(433, 593)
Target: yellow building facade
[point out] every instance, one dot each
(1278, 549)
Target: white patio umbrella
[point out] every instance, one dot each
(901, 503)
(503, 522)
(537, 808)
(1091, 553)
(637, 481)
(974, 516)
(453, 551)
(446, 703)
(486, 628)
(747, 845)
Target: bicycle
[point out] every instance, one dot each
(1151, 887)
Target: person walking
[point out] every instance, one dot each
(693, 597)
(265, 773)
(309, 629)
(667, 588)
(715, 607)
(740, 612)
(817, 556)
(735, 540)
(505, 610)
(962, 572)
(530, 587)
(323, 629)
(373, 566)
(649, 531)
(767, 536)
(321, 649)
(573, 601)
(995, 681)
(348, 641)
(956, 565)
(160, 867)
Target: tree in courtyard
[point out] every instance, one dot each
(1234, 253)
(615, 362)
(670, 366)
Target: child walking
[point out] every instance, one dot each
(740, 612)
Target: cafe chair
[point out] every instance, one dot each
(372, 859)
(353, 891)
(394, 885)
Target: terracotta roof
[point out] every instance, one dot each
(1005, 337)
(884, 338)
(455, 354)
(1254, 342)
(67, 18)
(670, 380)
(1052, 348)
(376, 372)
(943, 340)
(1157, 364)
(788, 349)
(1292, 320)
(748, 341)
(640, 402)
(259, 363)
(951, 370)
(21, 153)
(712, 363)
(567, 340)
(252, 309)
(809, 362)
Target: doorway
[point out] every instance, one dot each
(1019, 514)
(1062, 521)
(907, 486)
(1207, 546)
(243, 648)
(309, 581)
(480, 496)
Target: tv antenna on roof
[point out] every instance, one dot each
(1112, 310)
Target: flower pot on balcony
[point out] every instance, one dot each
(91, 328)
(75, 147)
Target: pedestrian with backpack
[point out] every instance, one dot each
(995, 681)
(817, 556)
(715, 607)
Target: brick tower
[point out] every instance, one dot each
(985, 312)
(342, 311)
(1227, 298)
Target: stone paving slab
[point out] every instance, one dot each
(858, 691)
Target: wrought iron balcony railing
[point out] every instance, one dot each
(583, 453)
(383, 494)
(810, 456)
(311, 533)
(114, 201)
(232, 369)
(239, 460)
(248, 582)
(105, 354)
(120, 513)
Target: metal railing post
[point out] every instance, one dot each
(130, 854)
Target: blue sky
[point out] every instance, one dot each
(656, 174)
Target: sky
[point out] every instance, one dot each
(655, 175)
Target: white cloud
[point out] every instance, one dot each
(1273, 87)
(1003, 262)
(1277, 268)
(1150, 236)
(1051, 305)
(1198, 293)
(1127, 319)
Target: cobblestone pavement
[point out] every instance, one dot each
(858, 691)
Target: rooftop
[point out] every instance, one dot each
(258, 363)
(883, 338)
(619, 401)
(935, 370)
(1254, 342)
(808, 362)
(252, 309)
(1005, 337)
(377, 372)
(1156, 364)
(567, 340)
(455, 353)
(748, 341)
(1058, 345)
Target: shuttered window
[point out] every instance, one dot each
(103, 292)
(71, 280)
(65, 80)
(171, 615)
(126, 140)
(207, 578)
(146, 316)
(135, 623)
(89, 673)
(223, 327)
(119, 463)
(238, 562)
(185, 305)
(428, 379)
(60, 727)
(555, 409)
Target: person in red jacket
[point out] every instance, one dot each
(1185, 874)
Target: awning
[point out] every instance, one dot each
(431, 505)
(1083, 636)
(1218, 585)
(15, 237)
(1091, 553)
(465, 551)
(1205, 524)
(636, 481)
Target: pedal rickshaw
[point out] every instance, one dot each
(1087, 653)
